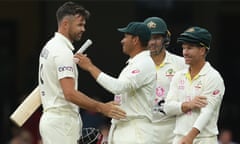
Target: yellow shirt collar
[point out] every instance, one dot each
(188, 76)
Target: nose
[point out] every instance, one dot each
(83, 28)
(151, 42)
(122, 41)
(184, 51)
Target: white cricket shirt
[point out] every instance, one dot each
(170, 65)
(207, 83)
(135, 86)
(56, 62)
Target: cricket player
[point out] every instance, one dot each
(167, 64)
(134, 89)
(60, 122)
(195, 93)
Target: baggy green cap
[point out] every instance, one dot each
(156, 25)
(196, 35)
(137, 29)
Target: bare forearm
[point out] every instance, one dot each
(196, 103)
(109, 109)
(193, 133)
(189, 138)
(85, 102)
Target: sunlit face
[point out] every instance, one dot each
(127, 44)
(192, 53)
(155, 44)
(76, 27)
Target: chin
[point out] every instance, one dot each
(187, 62)
(154, 53)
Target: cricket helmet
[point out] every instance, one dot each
(90, 135)
(156, 25)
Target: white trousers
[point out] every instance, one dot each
(163, 132)
(57, 127)
(136, 131)
(202, 140)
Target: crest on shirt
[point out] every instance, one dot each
(160, 91)
(170, 73)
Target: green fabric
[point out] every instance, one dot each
(137, 29)
(156, 25)
(196, 35)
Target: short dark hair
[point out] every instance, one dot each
(71, 8)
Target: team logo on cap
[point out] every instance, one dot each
(190, 30)
(151, 25)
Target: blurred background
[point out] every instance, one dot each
(25, 26)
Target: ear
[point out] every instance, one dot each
(203, 50)
(136, 39)
(65, 23)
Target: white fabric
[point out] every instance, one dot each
(206, 140)
(163, 125)
(136, 131)
(55, 63)
(171, 64)
(163, 132)
(134, 90)
(60, 127)
(209, 84)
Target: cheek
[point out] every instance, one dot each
(151, 42)
(78, 28)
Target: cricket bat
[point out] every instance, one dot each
(27, 107)
(32, 102)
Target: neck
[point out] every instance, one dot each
(195, 69)
(158, 59)
(134, 53)
(63, 32)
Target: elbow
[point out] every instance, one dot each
(122, 87)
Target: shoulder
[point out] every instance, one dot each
(176, 60)
(214, 73)
(212, 77)
(58, 46)
(146, 63)
(144, 59)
